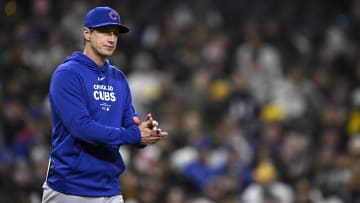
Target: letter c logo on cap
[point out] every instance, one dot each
(113, 15)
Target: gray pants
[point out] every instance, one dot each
(52, 196)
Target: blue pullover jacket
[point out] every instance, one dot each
(92, 115)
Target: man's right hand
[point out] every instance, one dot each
(150, 133)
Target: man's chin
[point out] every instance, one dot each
(106, 53)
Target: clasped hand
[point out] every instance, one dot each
(150, 131)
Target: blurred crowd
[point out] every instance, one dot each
(261, 98)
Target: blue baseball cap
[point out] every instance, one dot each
(103, 16)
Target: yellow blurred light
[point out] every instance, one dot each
(10, 8)
(219, 90)
(265, 172)
(353, 125)
(272, 113)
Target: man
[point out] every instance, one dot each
(92, 115)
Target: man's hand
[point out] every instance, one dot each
(150, 133)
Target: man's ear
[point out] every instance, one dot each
(86, 33)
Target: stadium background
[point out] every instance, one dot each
(254, 94)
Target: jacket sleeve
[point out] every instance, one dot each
(69, 101)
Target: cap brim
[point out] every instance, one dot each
(122, 28)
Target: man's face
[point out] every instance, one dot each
(103, 40)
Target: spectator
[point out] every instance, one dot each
(259, 62)
(266, 187)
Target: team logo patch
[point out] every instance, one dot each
(113, 15)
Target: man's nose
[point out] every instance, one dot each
(113, 36)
